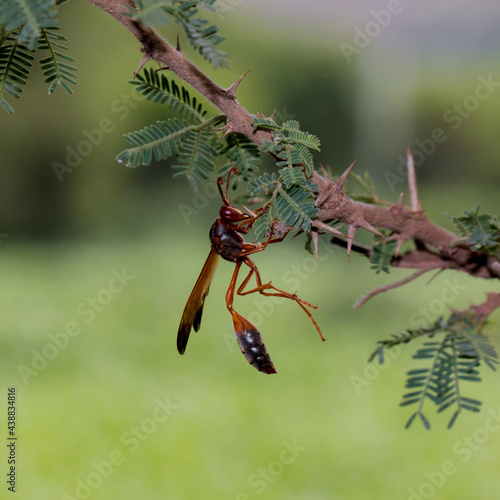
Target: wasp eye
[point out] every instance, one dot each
(232, 214)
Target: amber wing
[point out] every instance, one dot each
(191, 317)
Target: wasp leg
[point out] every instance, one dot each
(262, 287)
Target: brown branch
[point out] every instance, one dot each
(334, 204)
(483, 311)
(158, 49)
(435, 247)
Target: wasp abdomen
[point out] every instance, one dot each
(251, 344)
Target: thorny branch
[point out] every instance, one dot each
(435, 247)
(156, 48)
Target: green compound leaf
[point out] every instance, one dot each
(243, 154)
(161, 141)
(15, 66)
(158, 88)
(56, 71)
(453, 357)
(382, 254)
(481, 230)
(27, 18)
(197, 158)
(202, 36)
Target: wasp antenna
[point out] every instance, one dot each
(232, 170)
(220, 182)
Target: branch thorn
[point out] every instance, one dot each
(228, 127)
(314, 236)
(399, 204)
(231, 91)
(145, 58)
(412, 183)
(351, 231)
(325, 173)
(343, 177)
(321, 225)
(399, 239)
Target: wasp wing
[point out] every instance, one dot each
(191, 317)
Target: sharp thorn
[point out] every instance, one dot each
(314, 235)
(228, 128)
(343, 177)
(351, 231)
(412, 183)
(399, 245)
(231, 91)
(145, 58)
(400, 200)
(321, 225)
(325, 173)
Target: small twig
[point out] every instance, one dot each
(158, 49)
(485, 309)
(390, 286)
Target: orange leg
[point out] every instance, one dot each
(263, 287)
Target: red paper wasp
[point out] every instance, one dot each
(226, 238)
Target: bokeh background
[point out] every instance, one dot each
(96, 267)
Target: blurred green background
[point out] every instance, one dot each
(96, 269)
